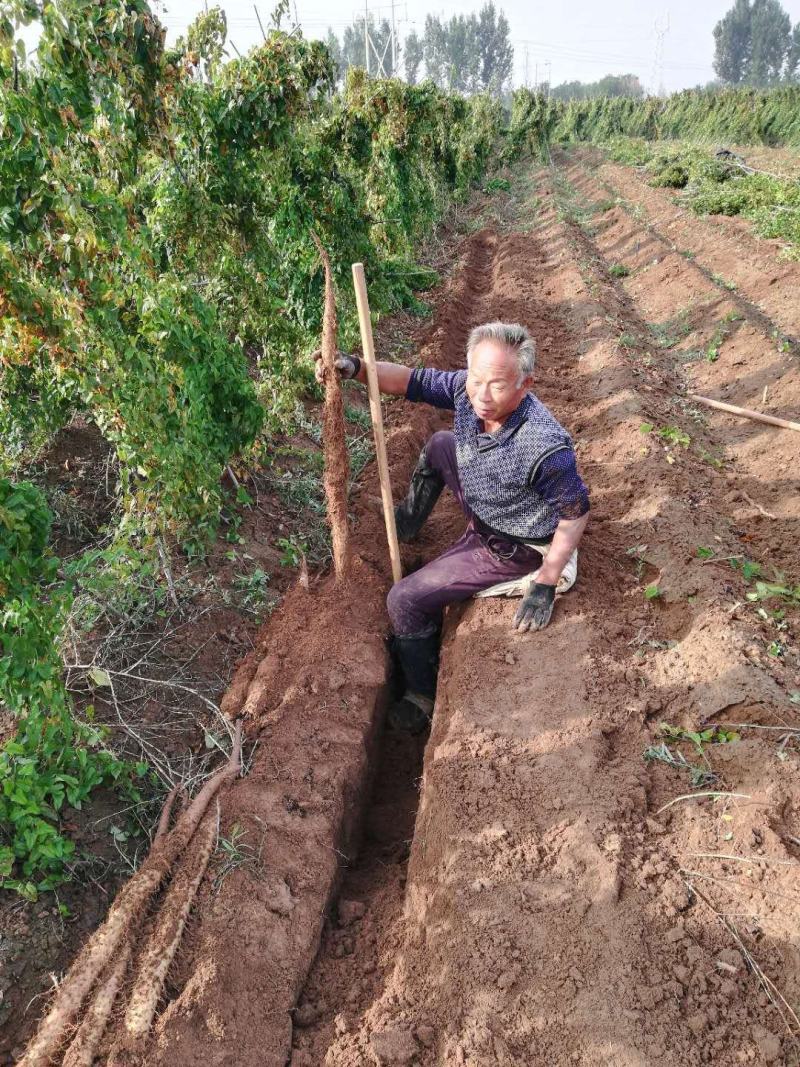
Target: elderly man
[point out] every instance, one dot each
(511, 467)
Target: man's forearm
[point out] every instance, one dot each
(565, 541)
(393, 378)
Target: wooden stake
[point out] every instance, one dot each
(368, 349)
(746, 413)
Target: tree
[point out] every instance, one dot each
(771, 42)
(351, 52)
(413, 57)
(335, 49)
(495, 48)
(469, 53)
(755, 44)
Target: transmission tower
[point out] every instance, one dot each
(662, 29)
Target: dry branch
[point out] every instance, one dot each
(337, 464)
(83, 1048)
(126, 910)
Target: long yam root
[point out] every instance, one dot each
(84, 1045)
(166, 811)
(337, 464)
(162, 946)
(131, 902)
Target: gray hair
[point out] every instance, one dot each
(516, 339)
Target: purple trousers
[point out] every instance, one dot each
(477, 560)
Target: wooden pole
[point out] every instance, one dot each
(746, 413)
(368, 349)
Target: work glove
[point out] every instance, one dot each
(536, 609)
(346, 366)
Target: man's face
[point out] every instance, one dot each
(493, 384)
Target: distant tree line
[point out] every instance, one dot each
(756, 44)
(610, 85)
(466, 53)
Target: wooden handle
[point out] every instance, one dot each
(368, 349)
(746, 413)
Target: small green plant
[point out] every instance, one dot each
(619, 270)
(236, 853)
(252, 589)
(712, 460)
(747, 568)
(711, 735)
(779, 589)
(675, 436)
(53, 761)
(698, 776)
(724, 282)
(637, 552)
(497, 185)
(627, 340)
(293, 550)
(652, 591)
(705, 553)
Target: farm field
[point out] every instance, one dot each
(537, 884)
(213, 845)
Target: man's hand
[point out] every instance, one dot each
(346, 366)
(536, 609)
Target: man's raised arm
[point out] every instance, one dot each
(393, 378)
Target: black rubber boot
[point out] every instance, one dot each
(418, 659)
(425, 489)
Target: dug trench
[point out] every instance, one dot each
(553, 911)
(528, 889)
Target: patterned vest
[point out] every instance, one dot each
(496, 470)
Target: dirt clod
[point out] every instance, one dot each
(350, 911)
(394, 1045)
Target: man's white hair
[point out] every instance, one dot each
(516, 339)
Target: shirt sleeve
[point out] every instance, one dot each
(436, 387)
(557, 480)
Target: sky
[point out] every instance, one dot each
(581, 39)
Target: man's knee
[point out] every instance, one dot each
(398, 601)
(440, 449)
(406, 614)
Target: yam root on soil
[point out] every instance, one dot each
(162, 944)
(337, 464)
(131, 902)
(84, 1045)
(166, 812)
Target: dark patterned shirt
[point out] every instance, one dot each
(522, 479)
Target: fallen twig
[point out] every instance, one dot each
(704, 793)
(770, 989)
(755, 504)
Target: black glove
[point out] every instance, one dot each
(536, 608)
(347, 366)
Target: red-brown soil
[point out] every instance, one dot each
(542, 905)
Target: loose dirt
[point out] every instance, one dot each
(529, 889)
